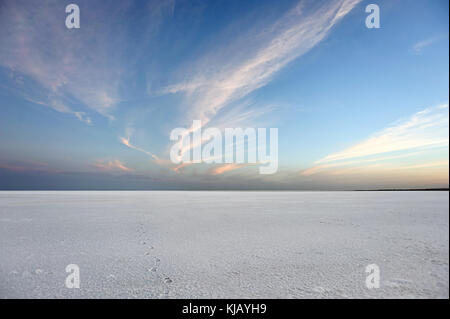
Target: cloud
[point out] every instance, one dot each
(423, 130)
(419, 46)
(220, 169)
(16, 168)
(443, 163)
(60, 107)
(180, 166)
(112, 166)
(66, 69)
(82, 117)
(126, 142)
(318, 168)
(287, 39)
(24, 166)
(155, 158)
(221, 80)
(225, 168)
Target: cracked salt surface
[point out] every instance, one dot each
(224, 244)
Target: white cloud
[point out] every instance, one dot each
(220, 81)
(224, 79)
(126, 141)
(424, 130)
(67, 67)
(419, 46)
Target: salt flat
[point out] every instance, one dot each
(224, 244)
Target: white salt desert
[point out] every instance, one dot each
(224, 244)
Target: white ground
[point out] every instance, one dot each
(224, 244)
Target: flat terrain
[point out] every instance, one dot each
(224, 244)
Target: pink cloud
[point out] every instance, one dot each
(180, 166)
(26, 166)
(225, 168)
(15, 168)
(114, 165)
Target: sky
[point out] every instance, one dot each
(93, 107)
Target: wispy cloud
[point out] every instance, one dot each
(126, 141)
(421, 45)
(24, 166)
(180, 166)
(112, 166)
(225, 168)
(353, 163)
(230, 79)
(220, 81)
(67, 68)
(59, 106)
(423, 130)
(443, 163)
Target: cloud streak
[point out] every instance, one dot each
(421, 45)
(126, 142)
(112, 166)
(290, 37)
(230, 79)
(68, 68)
(423, 130)
(225, 168)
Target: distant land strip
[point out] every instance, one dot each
(402, 189)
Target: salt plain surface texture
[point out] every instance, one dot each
(224, 244)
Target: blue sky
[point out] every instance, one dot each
(92, 108)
